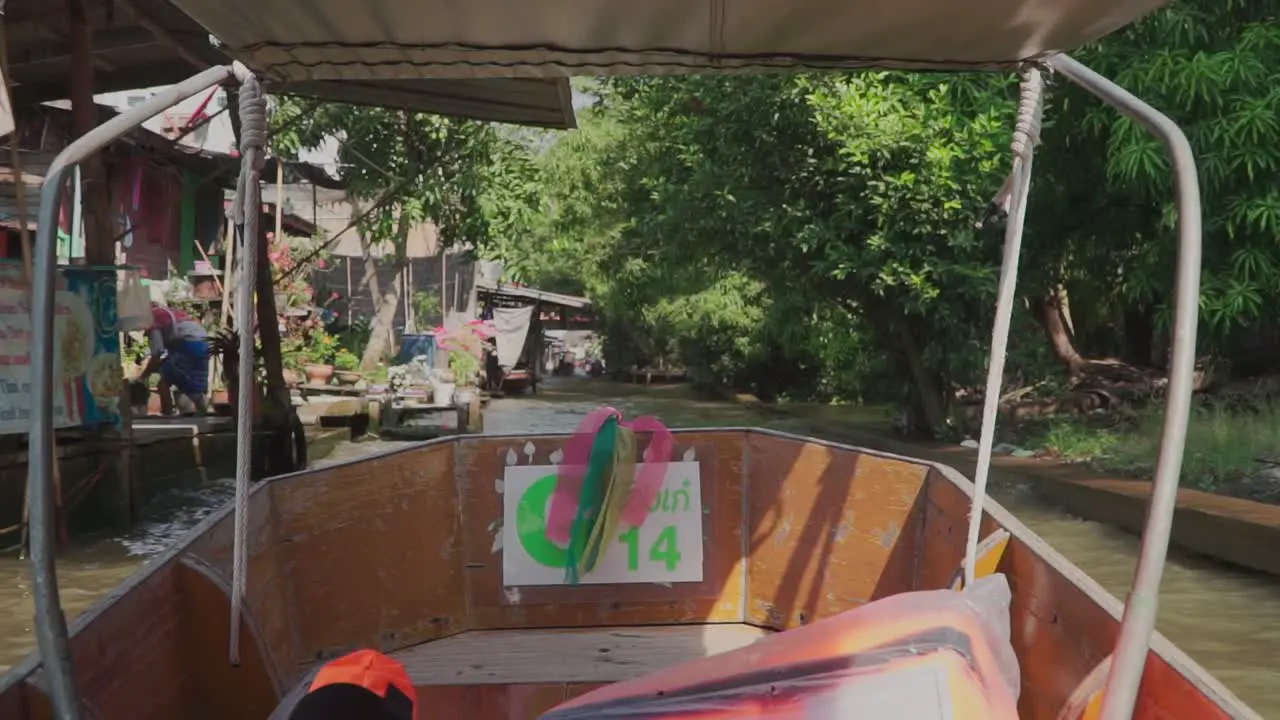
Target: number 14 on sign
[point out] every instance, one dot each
(664, 551)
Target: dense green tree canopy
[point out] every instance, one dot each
(821, 235)
(815, 234)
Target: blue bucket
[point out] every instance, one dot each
(415, 345)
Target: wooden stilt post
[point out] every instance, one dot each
(24, 236)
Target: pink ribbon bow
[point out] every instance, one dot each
(577, 452)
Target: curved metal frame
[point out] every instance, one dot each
(1140, 611)
(1130, 655)
(51, 624)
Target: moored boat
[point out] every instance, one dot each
(415, 553)
(517, 381)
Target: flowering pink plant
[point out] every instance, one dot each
(468, 338)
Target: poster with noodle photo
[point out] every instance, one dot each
(86, 349)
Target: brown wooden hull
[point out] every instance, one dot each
(398, 550)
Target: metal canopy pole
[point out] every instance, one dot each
(51, 624)
(1130, 654)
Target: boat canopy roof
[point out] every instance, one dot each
(369, 40)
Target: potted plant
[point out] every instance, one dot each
(347, 367)
(318, 357)
(442, 387)
(226, 345)
(291, 352)
(465, 367)
(218, 395)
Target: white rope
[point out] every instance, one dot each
(1026, 134)
(246, 211)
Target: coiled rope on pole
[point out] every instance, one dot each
(246, 211)
(1026, 135)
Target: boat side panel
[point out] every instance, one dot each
(830, 529)
(372, 553)
(268, 592)
(1059, 631)
(22, 701)
(718, 598)
(216, 689)
(13, 702)
(130, 662)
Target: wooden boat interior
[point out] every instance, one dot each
(403, 552)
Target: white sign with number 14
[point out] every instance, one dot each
(667, 548)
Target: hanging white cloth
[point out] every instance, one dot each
(133, 301)
(511, 326)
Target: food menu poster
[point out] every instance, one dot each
(88, 377)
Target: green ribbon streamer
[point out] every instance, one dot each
(591, 497)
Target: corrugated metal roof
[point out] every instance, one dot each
(572, 301)
(9, 206)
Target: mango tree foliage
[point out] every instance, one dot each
(815, 235)
(1106, 218)
(403, 169)
(779, 231)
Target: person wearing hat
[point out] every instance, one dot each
(365, 685)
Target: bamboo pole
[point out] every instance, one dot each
(228, 272)
(215, 364)
(205, 255)
(279, 200)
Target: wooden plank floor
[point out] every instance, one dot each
(596, 655)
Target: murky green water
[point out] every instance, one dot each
(1228, 620)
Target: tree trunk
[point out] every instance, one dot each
(1049, 312)
(1064, 303)
(928, 390)
(1139, 332)
(370, 277)
(384, 315)
(386, 303)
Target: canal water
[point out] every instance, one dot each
(1228, 620)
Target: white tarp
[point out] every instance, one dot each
(309, 40)
(6, 108)
(511, 326)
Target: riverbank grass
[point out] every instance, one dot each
(1228, 451)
